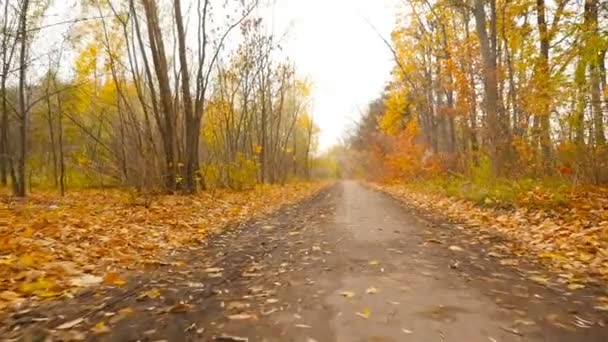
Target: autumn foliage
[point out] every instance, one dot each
(493, 81)
(54, 246)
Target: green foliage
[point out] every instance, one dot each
(483, 188)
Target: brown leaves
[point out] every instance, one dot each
(572, 239)
(48, 251)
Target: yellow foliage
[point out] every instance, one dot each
(392, 121)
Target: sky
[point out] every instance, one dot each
(332, 44)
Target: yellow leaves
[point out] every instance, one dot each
(86, 62)
(393, 119)
(91, 237)
(100, 329)
(42, 287)
(570, 239)
(365, 314)
(9, 296)
(539, 280)
(151, 294)
(26, 261)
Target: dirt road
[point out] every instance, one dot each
(349, 265)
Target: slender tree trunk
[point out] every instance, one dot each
(61, 147)
(545, 98)
(24, 111)
(49, 116)
(190, 121)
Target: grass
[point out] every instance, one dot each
(483, 188)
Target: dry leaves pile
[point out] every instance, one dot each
(51, 246)
(572, 240)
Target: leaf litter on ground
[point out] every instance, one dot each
(571, 239)
(53, 246)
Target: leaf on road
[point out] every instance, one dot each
(151, 294)
(347, 294)
(237, 306)
(180, 308)
(100, 329)
(70, 324)
(112, 278)
(456, 249)
(243, 316)
(231, 338)
(371, 290)
(575, 286)
(365, 314)
(539, 280)
(601, 307)
(374, 263)
(86, 280)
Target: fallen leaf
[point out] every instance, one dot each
(181, 308)
(237, 306)
(371, 290)
(85, 280)
(243, 316)
(539, 280)
(456, 249)
(347, 294)
(152, 294)
(70, 324)
(374, 263)
(100, 329)
(575, 286)
(231, 338)
(9, 296)
(603, 307)
(365, 314)
(112, 278)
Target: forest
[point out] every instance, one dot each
(509, 89)
(165, 171)
(124, 98)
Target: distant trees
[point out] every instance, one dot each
(522, 82)
(159, 97)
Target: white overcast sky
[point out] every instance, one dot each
(334, 47)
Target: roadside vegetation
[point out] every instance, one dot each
(496, 115)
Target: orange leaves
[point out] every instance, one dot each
(112, 278)
(571, 239)
(52, 246)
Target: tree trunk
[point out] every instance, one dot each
(544, 74)
(192, 125)
(157, 50)
(24, 111)
(488, 54)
